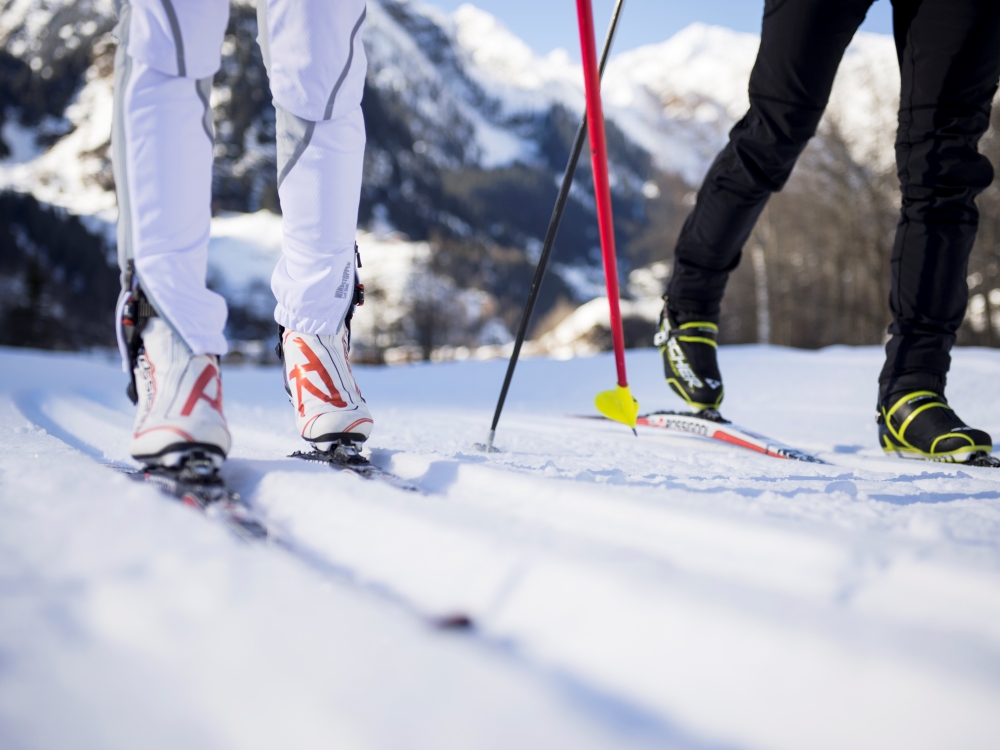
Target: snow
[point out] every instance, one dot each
(569, 338)
(21, 142)
(244, 249)
(700, 60)
(67, 174)
(660, 591)
(865, 99)
(507, 68)
(242, 252)
(390, 266)
(677, 99)
(30, 17)
(499, 147)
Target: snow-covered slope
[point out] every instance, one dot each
(677, 99)
(656, 591)
(63, 92)
(74, 172)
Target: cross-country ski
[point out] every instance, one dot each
(710, 424)
(200, 486)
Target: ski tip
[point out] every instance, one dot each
(797, 455)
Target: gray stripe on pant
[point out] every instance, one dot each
(293, 136)
(175, 28)
(204, 88)
(294, 133)
(347, 65)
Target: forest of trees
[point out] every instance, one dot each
(816, 269)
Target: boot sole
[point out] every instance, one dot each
(177, 453)
(960, 456)
(331, 439)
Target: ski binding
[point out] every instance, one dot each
(346, 456)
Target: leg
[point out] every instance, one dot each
(802, 42)
(314, 279)
(317, 64)
(949, 54)
(163, 161)
(170, 324)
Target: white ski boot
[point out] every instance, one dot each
(329, 408)
(180, 402)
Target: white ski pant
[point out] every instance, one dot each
(163, 147)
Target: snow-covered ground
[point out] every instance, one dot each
(659, 591)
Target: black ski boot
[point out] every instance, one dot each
(920, 424)
(689, 360)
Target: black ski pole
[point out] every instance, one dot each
(550, 234)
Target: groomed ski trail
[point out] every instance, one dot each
(739, 600)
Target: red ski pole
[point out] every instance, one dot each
(616, 404)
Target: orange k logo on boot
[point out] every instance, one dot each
(208, 375)
(329, 408)
(313, 364)
(169, 421)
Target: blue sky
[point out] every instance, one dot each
(547, 24)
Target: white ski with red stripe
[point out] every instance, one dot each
(710, 424)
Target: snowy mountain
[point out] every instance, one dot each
(477, 95)
(654, 592)
(468, 134)
(677, 100)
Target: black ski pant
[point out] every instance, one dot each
(949, 58)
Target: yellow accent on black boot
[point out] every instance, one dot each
(922, 425)
(690, 362)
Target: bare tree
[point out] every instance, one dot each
(819, 256)
(982, 323)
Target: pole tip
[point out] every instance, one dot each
(487, 447)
